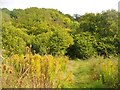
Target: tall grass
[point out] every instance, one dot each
(96, 73)
(35, 71)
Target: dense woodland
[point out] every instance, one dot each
(49, 31)
(43, 32)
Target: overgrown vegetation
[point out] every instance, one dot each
(35, 71)
(53, 37)
(95, 73)
(51, 32)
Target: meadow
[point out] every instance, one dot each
(36, 71)
(45, 48)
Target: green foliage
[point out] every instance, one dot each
(83, 46)
(107, 71)
(53, 42)
(40, 19)
(87, 22)
(59, 42)
(5, 17)
(105, 46)
(95, 73)
(104, 27)
(50, 32)
(41, 43)
(12, 39)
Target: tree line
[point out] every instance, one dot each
(49, 31)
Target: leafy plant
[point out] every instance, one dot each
(35, 71)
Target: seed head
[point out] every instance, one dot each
(4, 67)
(10, 71)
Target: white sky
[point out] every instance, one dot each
(65, 6)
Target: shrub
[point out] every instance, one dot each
(53, 42)
(106, 72)
(83, 46)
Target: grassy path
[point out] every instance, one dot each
(83, 75)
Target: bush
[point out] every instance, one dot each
(52, 42)
(83, 46)
(106, 72)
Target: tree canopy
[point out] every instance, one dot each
(51, 32)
